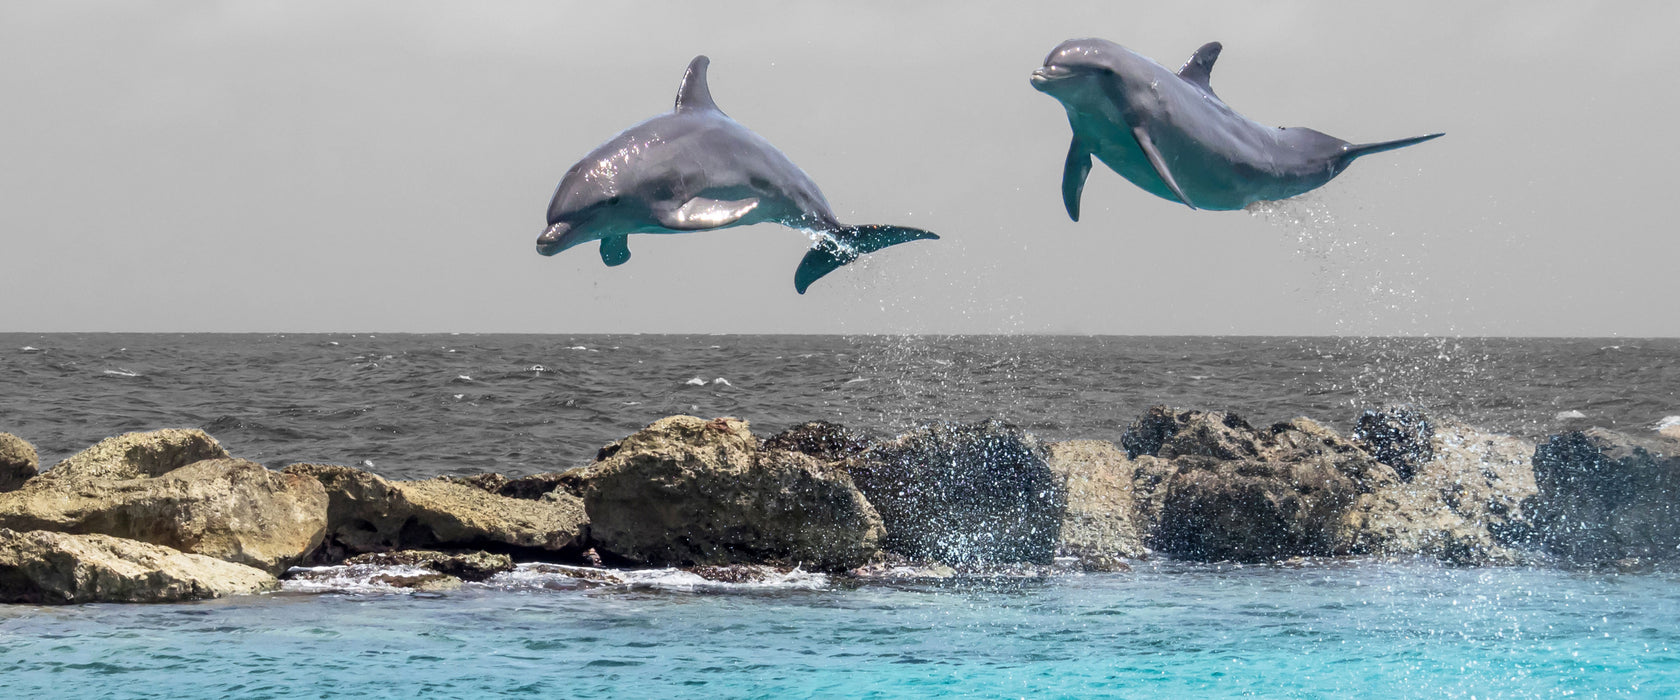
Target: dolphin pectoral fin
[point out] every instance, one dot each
(845, 244)
(1074, 172)
(1199, 69)
(615, 250)
(701, 213)
(1155, 159)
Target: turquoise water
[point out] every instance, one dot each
(1165, 630)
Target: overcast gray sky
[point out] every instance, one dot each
(385, 166)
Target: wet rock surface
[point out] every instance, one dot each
(229, 509)
(54, 568)
(1604, 497)
(688, 491)
(466, 566)
(1402, 438)
(18, 462)
(979, 492)
(1097, 525)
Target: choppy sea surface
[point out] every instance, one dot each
(411, 406)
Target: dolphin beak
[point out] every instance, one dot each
(558, 237)
(1047, 74)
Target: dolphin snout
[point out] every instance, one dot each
(1049, 73)
(553, 240)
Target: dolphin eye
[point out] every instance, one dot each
(612, 201)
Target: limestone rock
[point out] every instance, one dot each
(687, 491)
(139, 455)
(965, 493)
(467, 566)
(18, 462)
(445, 514)
(1603, 496)
(230, 509)
(52, 568)
(424, 583)
(1097, 525)
(1401, 437)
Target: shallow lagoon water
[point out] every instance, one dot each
(1330, 629)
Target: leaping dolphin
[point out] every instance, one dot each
(1171, 135)
(695, 169)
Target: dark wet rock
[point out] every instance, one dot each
(369, 514)
(529, 488)
(139, 455)
(1097, 525)
(740, 573)
(365, 513)
(959, 493)
(419, 582)
(467, 566)
(1464, 505)
(1402, 438)
(18, 462)
(55, 568)
(1150, 477)
(1603, 496)
(230, 509)
(688, 491)
(826, 441)
(1150, 431)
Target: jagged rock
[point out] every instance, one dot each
(1097, 525)
(426, 583)
(369, 514)
(1234, 492)
(530, 488)
(139, 455)
(687, 491)
(467, 566)
(53, 568)
(1603, 496)
(829, 442)
(365, 513)
(965, 493)
(230, 509)
(1462, 506)
(489, 482)
(1671, 432)
(445, 514)
(18, 462)
(1401, 438)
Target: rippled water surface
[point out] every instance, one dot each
(419, 405)
(1167, 630)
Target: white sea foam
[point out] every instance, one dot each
(358, 579)
(721, 380)
(120, 372)
(536, 368)
(743, 578)
(1666, 423)
(1569, 415)
(577, 347)
(30, 348)
(463, 377)
(696, 382)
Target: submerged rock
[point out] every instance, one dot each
(230, 509)
(688, 491)
(1603, 496)
(18, 462)
(139, 455)
(54, 568)
(965, 493)
(466, 566)
(1097, 525)
(426, 583)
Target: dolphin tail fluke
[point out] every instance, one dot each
(1364, 149)
(842, 245)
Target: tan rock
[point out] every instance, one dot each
(18, 462)
(365, 513)
(1097, 525)
(690, 491)
(230, 509)
(446, 514)
(139, 455)
(51, 568)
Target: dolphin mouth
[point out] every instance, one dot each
(555, 239)
(1049, 74)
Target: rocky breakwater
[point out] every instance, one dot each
(689, 491)
(1605, 498)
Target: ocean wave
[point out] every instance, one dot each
(1569, 415)
(379, 579)
(360, 579)
(695, 382)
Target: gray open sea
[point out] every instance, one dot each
(412, 406)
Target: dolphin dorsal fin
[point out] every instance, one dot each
(694, 95)
(1199, 69)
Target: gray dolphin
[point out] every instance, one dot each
(695, 169)
(1171, 135)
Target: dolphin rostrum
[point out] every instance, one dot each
(695, 169)
(1171, 135)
